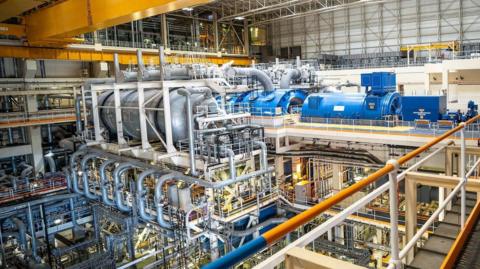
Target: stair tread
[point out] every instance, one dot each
(448, 230)
(425, 259)
(438, 244)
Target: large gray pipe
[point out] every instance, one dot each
(117, 173)
(259, 75)
(22, 232)
(191, 142)
(104, 183)
(85, 177)
(231, 162)
(141, 193)
(290, 75)
(74, 170)
(51, 162)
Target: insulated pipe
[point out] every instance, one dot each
(26, 171)
(141, 193)
(159, 197)
(263, 155)
(259, 75)
(78, 114)
(251, 230)
(104, 182)
(117, 173)
(22, 232)
(86, 188)
(51, 162)
(32, 231)
(290, 75)
(68, 178)
(191, 142)
(73, 168)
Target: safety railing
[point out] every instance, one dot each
(390, 169)
(41, 116)
(389, 127)
(32, 187)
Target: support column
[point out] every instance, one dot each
(279, 168)
(427, 84)
(410, 214)
(215, 31)
(35, 135)
(246, 39)
(337, 177)
(448, 172)
(445, 84)
(164, 26)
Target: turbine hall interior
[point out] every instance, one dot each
(239, 134)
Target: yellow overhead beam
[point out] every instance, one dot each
(67, 54)
(12, 29)
(74, 17)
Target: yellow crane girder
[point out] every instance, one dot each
(68, 54)
(71, 18)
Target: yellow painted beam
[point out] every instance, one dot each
(74, 17)
(12, 29)
(94, 56)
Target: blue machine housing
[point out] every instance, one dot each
(379, 102)
(270, 103)
(423, 107)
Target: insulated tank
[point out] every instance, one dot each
(351, 106)
(271, 103)
(130, 117)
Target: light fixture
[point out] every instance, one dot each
(239, 18)
(57, 221)
(188, 9)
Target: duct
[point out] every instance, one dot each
(291, 74)
(263, 155)
(257, 74)
(253, 229)
(104, 182)
(86, 187)
(117, 173)
(141, 193)
(51, 162)
(191, 142)
(22, 232)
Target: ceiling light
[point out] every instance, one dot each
(239, 18)
(188, 9)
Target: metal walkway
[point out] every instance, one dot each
(432, 254)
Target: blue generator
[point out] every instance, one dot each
(271, 103)
(423, 107)
(379, 102)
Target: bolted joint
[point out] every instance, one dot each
(395, 163)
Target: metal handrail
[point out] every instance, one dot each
(295, 222)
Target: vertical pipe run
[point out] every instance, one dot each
(393, 192)
(32, 231)
(462, 176)
(191, 142)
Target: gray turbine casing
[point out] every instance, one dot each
(130, 117)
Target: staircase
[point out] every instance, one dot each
(436, 248)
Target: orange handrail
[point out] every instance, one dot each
(456, 248)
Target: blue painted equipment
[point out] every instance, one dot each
(378, 103)
(423, 108)
(271, 103)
